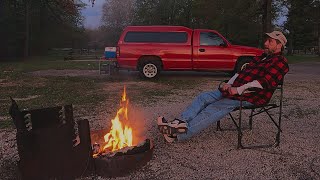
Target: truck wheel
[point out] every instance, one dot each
(241, 65)
(150, 69)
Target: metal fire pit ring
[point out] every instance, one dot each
(121, 165)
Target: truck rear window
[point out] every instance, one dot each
(157, 37)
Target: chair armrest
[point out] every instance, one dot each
(221, 82)
(249, 90)
(252, 89)
(255, 89)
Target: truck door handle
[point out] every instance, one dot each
(202, 50)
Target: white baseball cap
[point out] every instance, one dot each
(279, 36)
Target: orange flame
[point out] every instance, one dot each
(120, 135)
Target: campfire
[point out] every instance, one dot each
(120, 135)
(120, 149)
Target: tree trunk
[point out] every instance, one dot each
(318, 39)
(290, 50)
(27, 28)
(266, 17)
(172, 13)
(188, 14)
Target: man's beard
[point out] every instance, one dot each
(268, 51)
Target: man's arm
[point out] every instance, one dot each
(230, 82)
(234, 77)
(242, 88)
(253, 84)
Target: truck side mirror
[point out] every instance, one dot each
(223, 44)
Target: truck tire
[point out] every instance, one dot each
(241, 64)
(150, 69)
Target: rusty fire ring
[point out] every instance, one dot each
(120, 165)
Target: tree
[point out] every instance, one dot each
(33, 26)
(303, 23)
(238, 20)
(315, 20)
(241, 21)
(165, 12)
(115, 16)
(266, 17)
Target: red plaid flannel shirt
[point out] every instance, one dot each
(268, 71)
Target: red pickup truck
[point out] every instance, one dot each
(151, 49)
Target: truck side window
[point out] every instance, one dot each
(142, 37)
(173, 37)
(156, 37)
(210, 39)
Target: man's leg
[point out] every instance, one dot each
(199, 103)
(209, 115)
(180, 125)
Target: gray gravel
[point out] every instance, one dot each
(212, 154)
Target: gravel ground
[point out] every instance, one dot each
(212, 154)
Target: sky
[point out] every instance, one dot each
(93, 14)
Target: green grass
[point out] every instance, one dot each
(44, 63)
(52, 91)
(33, 92)
(6, 124)
(48, 91)
(302, 58)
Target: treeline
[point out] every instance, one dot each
(31, 27)
(241, 21)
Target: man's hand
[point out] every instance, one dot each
(225, 87)
(232, 90)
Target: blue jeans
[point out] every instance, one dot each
(206, 109)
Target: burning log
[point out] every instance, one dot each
(140, 148)
(129, 150)
(123, 161)
(96, 149)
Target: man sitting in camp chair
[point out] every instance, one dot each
(264, 73)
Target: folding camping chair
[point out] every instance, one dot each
(108, 66)
(108, 62)
(256, 110)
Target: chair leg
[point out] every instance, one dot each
(279, 129)
(279, 122)
(240, 146)
(239, 128)
(250, 119)
(218, 126)
(277, 139)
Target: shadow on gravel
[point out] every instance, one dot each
(7, 168)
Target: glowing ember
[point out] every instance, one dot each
(120, 135)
